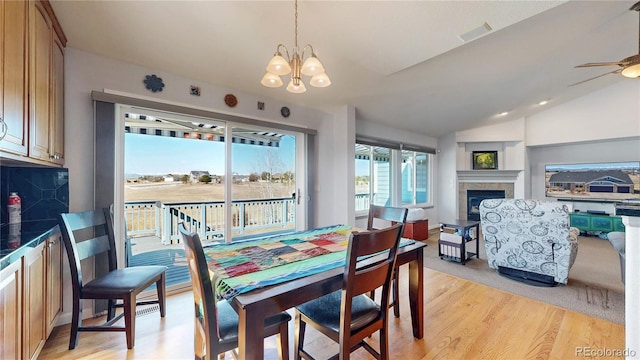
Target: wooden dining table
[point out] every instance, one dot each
(257, 304)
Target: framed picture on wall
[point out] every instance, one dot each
(484, 160)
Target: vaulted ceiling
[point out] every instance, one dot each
(400, 63)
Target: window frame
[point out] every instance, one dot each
(396, 172)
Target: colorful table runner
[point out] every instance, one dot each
(247, 265)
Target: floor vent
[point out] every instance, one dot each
(147, 310)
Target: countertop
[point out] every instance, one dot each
(31, 234)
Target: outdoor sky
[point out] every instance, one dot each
(160, 155)
(596, 166)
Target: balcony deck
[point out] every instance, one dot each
(148, 250)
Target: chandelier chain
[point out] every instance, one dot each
(295, 42)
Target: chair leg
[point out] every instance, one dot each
(199, 341)
(161, 288)
(396, 294)
(345, 348)
(111, 309)
(384, 343)
(130, 319)
(298, 341)
(282, 340)
(76, 321)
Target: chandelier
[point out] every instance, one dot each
(294, 65)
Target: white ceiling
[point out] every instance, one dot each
(400, 63)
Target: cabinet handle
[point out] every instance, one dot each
(54, 157)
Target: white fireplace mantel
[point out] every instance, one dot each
(488, 175)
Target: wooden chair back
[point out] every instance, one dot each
(87, 234)
(385, 213)
(206, 321)
(366, 271)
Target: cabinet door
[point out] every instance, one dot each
(57, 102)
(11, 311)
(40, 31)
(34, 295)
(580, 221)
(13, 75)
(617, 224)
(602, 223)
(53, 301)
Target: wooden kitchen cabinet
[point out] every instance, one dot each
(34, 302)
(53, 286)
(32, 81)
(56, 128)
(46, 76)
(11, 311)
(31, 299)
(42, 301)
(13, 75)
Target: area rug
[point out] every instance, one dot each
(594, 286)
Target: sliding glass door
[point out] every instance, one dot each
(226, 181)
(263, 182)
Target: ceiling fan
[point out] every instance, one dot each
(629, 67)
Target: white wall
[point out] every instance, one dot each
(603, 126)
(610, 113)
(447, 179)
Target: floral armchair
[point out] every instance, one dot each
(529, 240)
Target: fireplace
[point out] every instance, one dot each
(474, 197)
(505, 180)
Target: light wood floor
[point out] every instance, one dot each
(463, 320)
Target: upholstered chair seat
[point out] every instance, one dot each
(326, 311)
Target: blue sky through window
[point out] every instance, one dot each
(160, 155)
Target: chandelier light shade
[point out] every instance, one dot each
(293, 64)
(632, 71)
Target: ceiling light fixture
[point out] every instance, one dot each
(632, 71)
(543, 102)
(503, 113)
(294, 64)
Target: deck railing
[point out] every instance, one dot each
(207, 218)
(362, 201)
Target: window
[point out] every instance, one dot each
(415, 178)
(373, 176)
(375, 170)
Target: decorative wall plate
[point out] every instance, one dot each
(153, 83)
(285, 112)
(230, 100)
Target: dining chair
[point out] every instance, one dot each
(387, 216)
(216, 322)
(348, 316)
(90, 233)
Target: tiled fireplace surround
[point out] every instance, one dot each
(464, 186)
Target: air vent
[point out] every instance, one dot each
(476, 33)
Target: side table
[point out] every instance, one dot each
(452, 243)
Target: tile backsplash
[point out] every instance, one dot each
(44, 191)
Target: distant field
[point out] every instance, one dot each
(179, 192)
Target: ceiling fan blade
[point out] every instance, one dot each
(618, 63)
(595, 77)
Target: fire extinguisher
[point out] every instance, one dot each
(14, 207)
